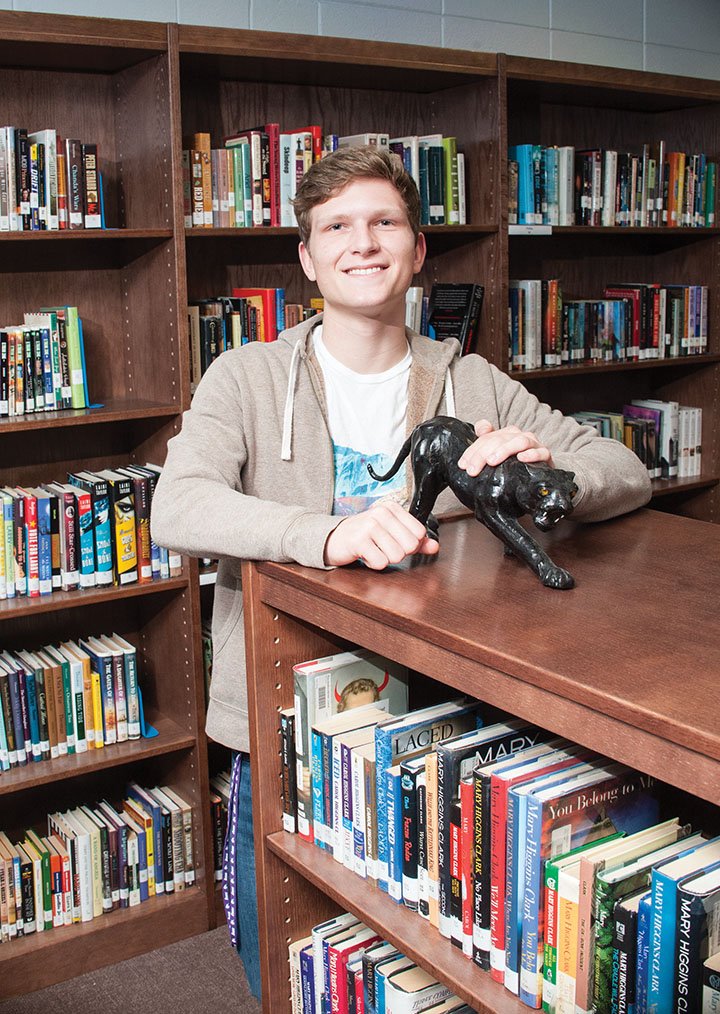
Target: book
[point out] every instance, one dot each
(454, 312)
(624, 951)
(409, 735)
(608, 799)
(698, 934)
(711, 984)
(326, 686)
(457, 757)
(412, 989)
(664, 926)
(580, 882)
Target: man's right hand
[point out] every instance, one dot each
(385, 534)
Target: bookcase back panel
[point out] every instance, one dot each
(66, 449)
(478, 260)
(586, 264)
(30, 808)
(150, 336)
(468, 112)
(144, 144)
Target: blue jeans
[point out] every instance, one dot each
(239, 891)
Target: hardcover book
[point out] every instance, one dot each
(337, 683)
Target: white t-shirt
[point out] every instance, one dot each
(367, 414)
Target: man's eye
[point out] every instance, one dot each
(387, 221)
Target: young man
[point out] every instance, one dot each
(271, 461)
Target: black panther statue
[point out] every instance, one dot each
(497, 496)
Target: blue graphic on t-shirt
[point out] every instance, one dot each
(355, 489)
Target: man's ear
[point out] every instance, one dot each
(420, 252)
(306, 262)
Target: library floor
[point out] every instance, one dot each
(198, 975)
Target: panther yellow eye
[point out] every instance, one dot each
(544, 491)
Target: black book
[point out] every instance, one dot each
(454, 312)
(22, 176)
(211, 340)
(624, 951)
(481, 870)
(410, 771)
(698, 918)
(289, 772)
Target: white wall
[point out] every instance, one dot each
(670, 36)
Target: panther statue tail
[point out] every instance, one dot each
(402, 454)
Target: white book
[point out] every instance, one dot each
(294, 949)
(84, 867)
(412, 989)
(609, 183)
(566, 185)
(413, 307)
(48, 138)
(10, 149)
(462, 197)
(91, 825)
(670, 432)
(188, 851)
(287, 180)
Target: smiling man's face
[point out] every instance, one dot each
(362, 252)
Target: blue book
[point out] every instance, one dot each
(307, 980)
(32, 703)
(151, 806)
(563, 817)
(319, 826)
(383, 970)
(48, 385)
(663, 924)
(409, 736)
(81, 340)
(280, 310)
(393, 795)
(102, 533)
(523, 155)
(643, 951)
(142, 855)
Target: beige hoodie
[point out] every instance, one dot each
(250, 475)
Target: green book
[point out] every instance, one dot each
(610, 886)
(69, 315)
(35, 847)
(452, 196)
(552, 871)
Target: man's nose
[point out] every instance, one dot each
(363, 238)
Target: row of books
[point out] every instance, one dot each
(95, 859)
(252, 180)
(456, 818)
(93, 530)
(42, 363)
(559, 185)
(228, 322)
(68, 698)
(219, 803)
(344, 967)
(632, 321)
(47, 182)
(666, 436)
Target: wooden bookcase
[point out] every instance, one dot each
(138, 89)
(110, 82)
(558, 103)
(601, 665)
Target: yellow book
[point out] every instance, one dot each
(97, 708)
(431, 837)
(144, 820)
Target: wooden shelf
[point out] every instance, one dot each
(112, 411)
(592, 690)
(45, 958)
(666, 487)
(170, 738)
(22, 606)
(670, 362)
(408, 931)
(84, 249)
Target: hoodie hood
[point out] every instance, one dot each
(430, 376)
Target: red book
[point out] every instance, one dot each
(268, 331)
(337, 956)
(273, 132)
(502, 780)
(467, 859)
(32, 561)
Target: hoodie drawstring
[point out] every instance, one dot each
(449, 394)
(286, 447)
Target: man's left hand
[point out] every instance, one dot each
(494, 446)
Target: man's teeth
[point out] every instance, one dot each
(363, 271)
